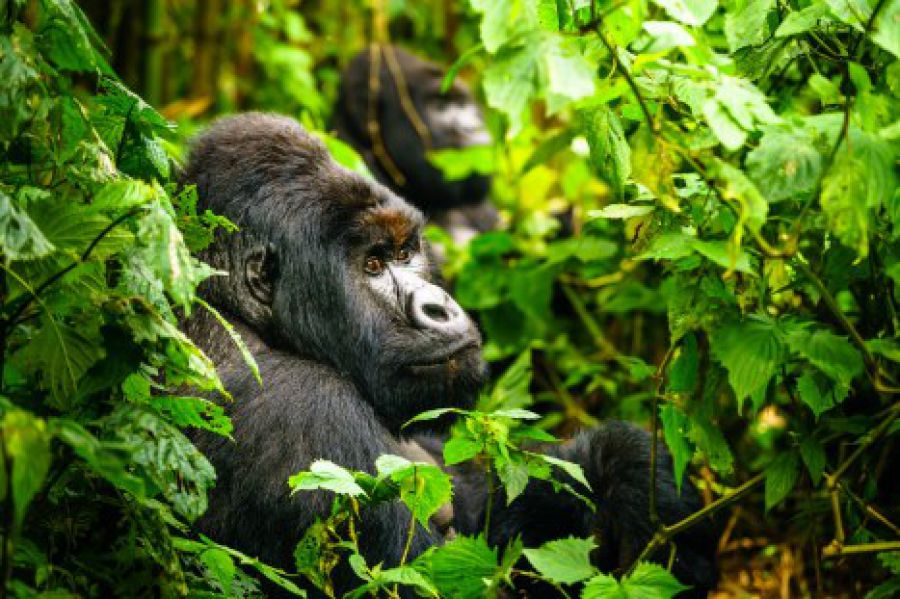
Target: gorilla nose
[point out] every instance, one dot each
(433, 309)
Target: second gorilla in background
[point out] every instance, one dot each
(452, 120)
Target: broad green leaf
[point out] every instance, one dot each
(459, 163)
(885, 30)
(63, 355)
(221, 566)
(651, 581)
(106, 459)
(570, 77)
(723, 253)
(735, 186)
(751, 351)
(684, 371)
(813, 454)
(610, 152)
(675, 430)
(564, 561)
(511, 389)
(510, 80)
(785, 165)
(602, 586)
(424, 488)
(781, 476)
(496, 23)
(460, 449)
(800, 21)
(667, 35)
(818, 395)
(712, 443)
(460, 567)
(27, 448)
(326, 475)
(20, 237)
(514, 476)
(747, 23)
(689, 12)
(832, 354)
(844, 190)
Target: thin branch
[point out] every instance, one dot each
(665, 533)
(833, 550)
(629, 80)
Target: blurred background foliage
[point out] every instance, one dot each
(700, 226)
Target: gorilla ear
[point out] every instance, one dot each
(261, 271)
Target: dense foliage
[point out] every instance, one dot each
(701, 225)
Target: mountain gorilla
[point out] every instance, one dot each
(327, 284)
(452, 120)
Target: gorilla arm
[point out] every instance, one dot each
(616, 461)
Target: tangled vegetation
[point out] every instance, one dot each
(701, 233)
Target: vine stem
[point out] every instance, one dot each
(629, 80)
(833, 550)
(665, 533)
(489, 507)
(659, 376)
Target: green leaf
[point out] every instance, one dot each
(651, 581)
(326, 475)
(514, 476)
(432, 415)
(27, 447)
(246, 354)
(106, 459)
(885, 31)
(751, 351)
(602, 586)
(570, 77)
(813, 454)
(194, 411)
(712, 443)
(221, 566)
(801, 21)
(785, 165)
(564, 561)
(610, 152)
(832, 354)
(684, 371)
(516, 413)
(510, 79)
(20, 237)
(725, 255)
(63, 355)
(458, 163)
(818, 395)
(675, 430)
(781, 476)
(747, 23)
(572, 469)
(511, 389)
(689, 12)
(460, 567)
(424, 488)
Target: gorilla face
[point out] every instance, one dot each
(329, 265)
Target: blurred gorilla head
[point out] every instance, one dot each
(452, 120)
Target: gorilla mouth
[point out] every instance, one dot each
(443, 360)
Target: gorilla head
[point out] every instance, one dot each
(452, 120)
(329, 265)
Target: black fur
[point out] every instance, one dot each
(342, 369)
(455, 205)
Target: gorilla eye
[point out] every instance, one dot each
(403, 255)
(374, 265)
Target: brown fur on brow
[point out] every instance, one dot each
(396, 224)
